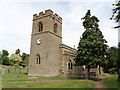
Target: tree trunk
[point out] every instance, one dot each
(98, 70)
(119, 76)
(88, 72)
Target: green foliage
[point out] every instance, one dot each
(118, 60)
(25, 58)
(92, 47)
(5, 60)
(116, 12)
(15, 58)
(4, 53)
(112, 56)
(17, 51)
(112, 70)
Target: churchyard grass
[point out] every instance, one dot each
(112, 82)
(19, 79)
(14, 74)
(51, 84)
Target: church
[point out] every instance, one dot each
(48, 55)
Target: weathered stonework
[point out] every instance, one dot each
(54, 56)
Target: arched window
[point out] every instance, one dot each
(55, 27)
(70, 64)
(40, 27)
(38, 59)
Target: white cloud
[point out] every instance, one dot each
(73, 23)
(16, 22)
(15, 27)
(58, 0)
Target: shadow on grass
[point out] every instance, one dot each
(79, 78)
(74, 78)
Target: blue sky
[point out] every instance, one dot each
(16, 21)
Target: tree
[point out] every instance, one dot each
(112, 59)
(116, 17)
(17, 51)
(4, 53)
(118, 61)
(92, 48)
(25, 58)
(116, 13)
(15, 58)
(5, 60)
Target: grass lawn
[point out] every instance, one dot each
(49, 84)
(112, 82)
(15, 80)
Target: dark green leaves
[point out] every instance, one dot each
(92, 47)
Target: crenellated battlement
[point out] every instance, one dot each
(47, 13)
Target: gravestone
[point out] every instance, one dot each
(8, 70)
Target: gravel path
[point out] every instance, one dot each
(100, 83)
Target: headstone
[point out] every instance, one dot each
(8, 70)
(19, 72)
(0, 72)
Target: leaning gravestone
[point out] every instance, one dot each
(0, 72)
(18, 73)
(8, 70)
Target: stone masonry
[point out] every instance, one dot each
(48, 56)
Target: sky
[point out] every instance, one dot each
(16, 21)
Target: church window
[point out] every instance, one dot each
(38, 59)
(40, 27)
(70, 64)
(55, 27)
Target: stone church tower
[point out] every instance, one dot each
(48, 55)
(45, 54)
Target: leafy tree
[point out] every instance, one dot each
(118, 61)
(17, 51)
(5, 60)
(112, 59)
(15, 58)
(92, 48)
(116, 17)
(116, 13)
(4, 53)
(25, 58)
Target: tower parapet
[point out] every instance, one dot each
(47, 13)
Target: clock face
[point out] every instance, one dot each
(39, 41)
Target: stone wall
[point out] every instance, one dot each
(49, 50)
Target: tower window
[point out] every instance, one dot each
(40, 27)
(70, 64)
(38, 59)
(55, 27)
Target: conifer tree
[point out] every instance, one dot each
(116, 17)
(116, 13)
(118, 61)
(92, 46)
